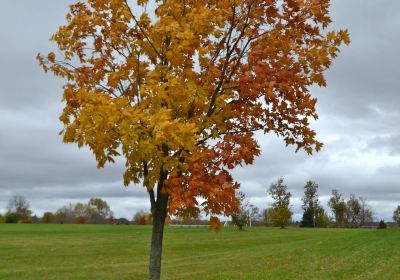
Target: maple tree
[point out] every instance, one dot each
(179, 87)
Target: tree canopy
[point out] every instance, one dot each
(180, 90)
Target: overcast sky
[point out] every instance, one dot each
(359, 121)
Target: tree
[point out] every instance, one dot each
(65, 215)
(268, 216)
(321, 218)
(11, 218)
(338, 207)
(381, 225)
(241, 217)
(353, 212)
(310, 204)
(2, 219)
(255, 215)
(281, 214)
(366, 214)
(48, 218)
(35, 219)
(81, 212)
(98, 211)
(181, 94)
(396, 215)
(18, 207)
(142, 218)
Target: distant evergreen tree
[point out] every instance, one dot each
(308, 218)
(382, 225)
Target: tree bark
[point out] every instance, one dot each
(159, 212)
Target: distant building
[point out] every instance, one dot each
(121, 221)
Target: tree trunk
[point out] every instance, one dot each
(159, 215)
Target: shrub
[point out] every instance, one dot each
(322, 220)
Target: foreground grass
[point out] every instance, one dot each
(121, 252)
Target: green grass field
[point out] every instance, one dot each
(121, 252)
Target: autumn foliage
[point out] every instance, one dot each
(178, 89)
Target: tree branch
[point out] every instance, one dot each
(142, 30)
(152, 200)
(229, 51)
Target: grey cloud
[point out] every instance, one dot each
(386, 144)
(365, 72)
(26, 29)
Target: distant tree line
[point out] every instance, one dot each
(95, 211)
(353, 213)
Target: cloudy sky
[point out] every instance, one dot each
(359, 121)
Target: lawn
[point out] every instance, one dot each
(121, 252)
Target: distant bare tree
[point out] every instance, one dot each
(65, 215)
(241, 217)
(366, 214)
(254, 214)
(18, 206)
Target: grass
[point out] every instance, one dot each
(121, 252)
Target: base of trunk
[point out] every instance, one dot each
(159, 215)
